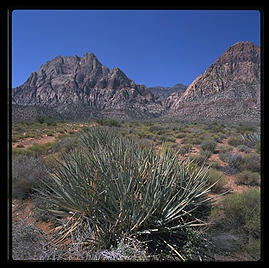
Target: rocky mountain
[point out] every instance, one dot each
(164, 92)
(83, 87)
(78, 88)
(228, 89)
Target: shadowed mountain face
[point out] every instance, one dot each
(164, 92)
(230, 87)
(83, 87)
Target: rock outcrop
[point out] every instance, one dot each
(164, 92)
(229, 88)
(73, 86)
(78, 88)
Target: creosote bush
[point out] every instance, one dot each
(243, 211)
(121, 189)
(247, 177)
(209, 146)
(217, 177)
(26, 174)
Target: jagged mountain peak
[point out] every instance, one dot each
(229, 88)
(67, 82)
(240, 52)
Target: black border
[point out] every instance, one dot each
(6, 50)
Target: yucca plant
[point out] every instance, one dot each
(251, 139)
(117, 188)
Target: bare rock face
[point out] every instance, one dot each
(85, 86)
(74, 87)
(230, 87)
(164, 92)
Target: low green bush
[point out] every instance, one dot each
(235, 160)
(215, 164)
(108, 122)
(198, 159)
(243, 148)
(242, 211)
(217, 176)
(185, 149)
(225, 149)
(26, 174)
(235, 141)
(251, 162)
(39, 149)
(247, 177)
(180, 135)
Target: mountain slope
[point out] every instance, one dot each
(229, 88)
(72, 85)
(78, 88)
(164, 92)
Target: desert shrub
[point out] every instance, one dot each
(155, 128)
(41, 210)
(251, 139)
(26, 174)
(245, 128)
(197, 140)
(108, 122)
(50, 133)
(65, 144)
(243, 211)
(217, 176)
(127, 249)
(185, 149)
(206, 154)
(199, 159)
(180, 135)
(167, 138)
(194, 249)
(234, 160)
(40, 119)
(258, 147)
(50, 121)
(122, 189)
(20, 145)
(225, 149)
(27, 241)
(248, 178)
(39, 149)
(240, 215)
(251, 162)
(235, 141)
(19, 129)
(243, 148)
(253, 247)
(215, 164)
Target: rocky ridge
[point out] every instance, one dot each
(230, 87)
(74, 86)
(77, 88)
(165, 92)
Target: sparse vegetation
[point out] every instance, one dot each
(208, 146)
(217, 176)
(247, 177)
(242, 210)
(147, 154)
(26, 174)
(123, 189)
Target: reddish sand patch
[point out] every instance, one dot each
(28, 142)
(232, 186)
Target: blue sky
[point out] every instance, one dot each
(152, 47)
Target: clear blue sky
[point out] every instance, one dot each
(152, 47)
